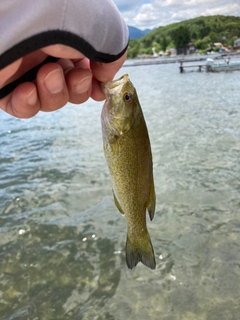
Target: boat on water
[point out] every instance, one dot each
(226, 65)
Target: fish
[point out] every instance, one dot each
(128, 154)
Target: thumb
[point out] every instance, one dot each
(104, 72)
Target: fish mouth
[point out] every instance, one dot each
(110, 85)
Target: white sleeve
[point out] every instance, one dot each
(93, 27)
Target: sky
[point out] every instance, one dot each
(144, 14)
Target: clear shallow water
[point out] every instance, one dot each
(62, 239)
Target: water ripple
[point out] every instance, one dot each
(62, 240)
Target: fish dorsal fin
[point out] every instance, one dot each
(118, 205)
(151, 202)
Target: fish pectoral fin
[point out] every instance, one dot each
(151, 202)
(118, 205)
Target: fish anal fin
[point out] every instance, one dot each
(118, 205)
(151, 202)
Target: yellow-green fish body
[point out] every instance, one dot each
(128, 153)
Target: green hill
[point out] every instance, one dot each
(202, 32)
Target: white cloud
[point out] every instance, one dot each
(154, 13)
(227, 9)
(147, 16)
(168, 3)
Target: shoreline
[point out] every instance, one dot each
(177, 59)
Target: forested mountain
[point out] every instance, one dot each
(202, 32)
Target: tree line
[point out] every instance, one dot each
(201, 32)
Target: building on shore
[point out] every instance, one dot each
(237, 44)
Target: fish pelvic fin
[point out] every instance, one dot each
(117, 204)
(151, 202)
(140, 249)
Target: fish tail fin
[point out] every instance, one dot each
(140, 249)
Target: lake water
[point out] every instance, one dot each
(62, 243)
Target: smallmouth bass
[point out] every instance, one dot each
(128, 154)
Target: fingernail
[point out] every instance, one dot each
(32, 97)
(54, 81)
(83, 85)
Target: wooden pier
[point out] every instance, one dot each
(199, 66)
(161, 60)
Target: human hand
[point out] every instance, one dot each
(72, 78)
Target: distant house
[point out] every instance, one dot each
(171, 52)
(237, 44)
(218, 44)
(221, 47)
(191, 48)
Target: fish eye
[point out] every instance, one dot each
(128, 97)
